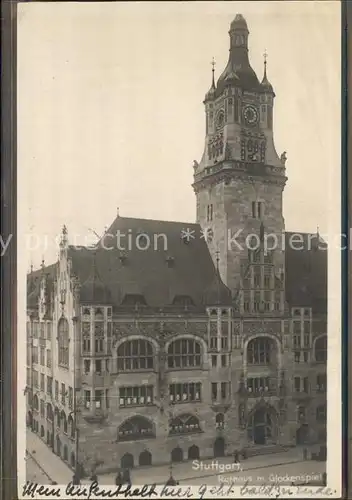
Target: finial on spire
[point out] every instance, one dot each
(43, 263)
(265, 55)
(117, 212)
(213, 63)
(31, 267)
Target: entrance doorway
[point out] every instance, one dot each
(261, 426)
(193, 453)
(302, 434)
(127, 461)
(177, 455)
(145, 458)
(219, 447)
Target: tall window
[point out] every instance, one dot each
(184, 424)
(135, 355)
(184, 353)
(98, 398)
(87, 399)
(63, 394)
(321, 349)
(35, 379)
(48, 358)
(63, 341)
(137, 427)
(214, 391)
(258, 385)
(42, 382)
(70, 398)
(42, 356)
(136, 396)
(321, 382)
(321, 413)
(185, 393)
(86, 337)
(49, 385)
(99, 337)
(213, 336)
(209, 213)
(260, 351)
(220, 421)
(56, 390)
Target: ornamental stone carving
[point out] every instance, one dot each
(159, 331)
(256, 327)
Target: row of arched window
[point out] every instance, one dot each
(187, 353)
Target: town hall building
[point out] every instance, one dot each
(154, 353)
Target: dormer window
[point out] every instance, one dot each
(183, 301)
(134, 300)
(99, 314)
(170, 261)
(123, 258)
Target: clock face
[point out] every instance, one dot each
(220, 119)
(250, 115)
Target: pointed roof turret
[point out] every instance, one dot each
(211, 92)
(238, 64)
(93, 291)
(266, 85)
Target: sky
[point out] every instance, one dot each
(111, 115)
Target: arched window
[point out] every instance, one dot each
(57, 417)
(321, 413)
(260, 351)
(135, 355)
(321, 349)
(35, 402)
(219, 421)
(71, 425)
(184, 353)
(62, 339)
(64, 421)
(136, 428)
(184, 424)
(49, 412)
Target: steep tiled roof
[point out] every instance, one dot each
(181, 268)
(171, 266)
(306, 272)
(217, 293)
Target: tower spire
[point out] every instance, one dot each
(265, 55)
(265, 82)
(213, 63)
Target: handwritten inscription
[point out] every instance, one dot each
(274, 490)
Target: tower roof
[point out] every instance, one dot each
(239, 23)
(265, 84)
(238, 69)
(212, 91)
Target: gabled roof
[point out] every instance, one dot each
(126, 270)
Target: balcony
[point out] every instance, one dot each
(263, 393)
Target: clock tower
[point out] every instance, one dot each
(240, 179)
